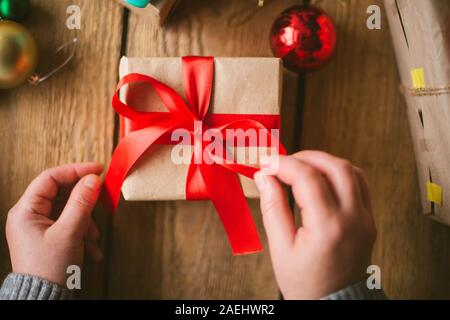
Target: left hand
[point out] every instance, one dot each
(47, 232)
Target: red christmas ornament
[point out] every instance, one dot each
(304, 37)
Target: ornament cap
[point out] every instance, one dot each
(138, 3)
(15, 10)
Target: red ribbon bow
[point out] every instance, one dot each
(217, 181)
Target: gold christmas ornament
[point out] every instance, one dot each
(18, 54)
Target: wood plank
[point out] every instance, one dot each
(66, 119)
(353, 109)
(172, 250)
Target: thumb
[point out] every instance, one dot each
(277, 216)
(76, 216)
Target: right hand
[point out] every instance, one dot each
(332, 248)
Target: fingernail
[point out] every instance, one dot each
(269, 164)
(260, 180)
(92, 181)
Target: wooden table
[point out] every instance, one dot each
(171, 250)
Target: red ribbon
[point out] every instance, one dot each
(217, 181)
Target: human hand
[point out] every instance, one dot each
(332, 248)
(46, 232)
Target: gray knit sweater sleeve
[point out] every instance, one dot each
(358, 291)
(25, 287)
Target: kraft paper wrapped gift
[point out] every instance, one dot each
(240, 86)
(159, 10)
(421, 36)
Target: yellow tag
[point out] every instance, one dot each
(434, 193)
(418, 78)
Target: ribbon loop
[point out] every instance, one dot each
(170, 98)
(198, 78)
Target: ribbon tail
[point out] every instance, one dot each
(195, 187)
(232, 208)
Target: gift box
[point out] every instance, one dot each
(159, 10)
(156, 97)
(241, 86)
(421, 36)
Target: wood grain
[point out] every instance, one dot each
(66, 119)
(173, 250)
(157, 250)
(353, 109)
